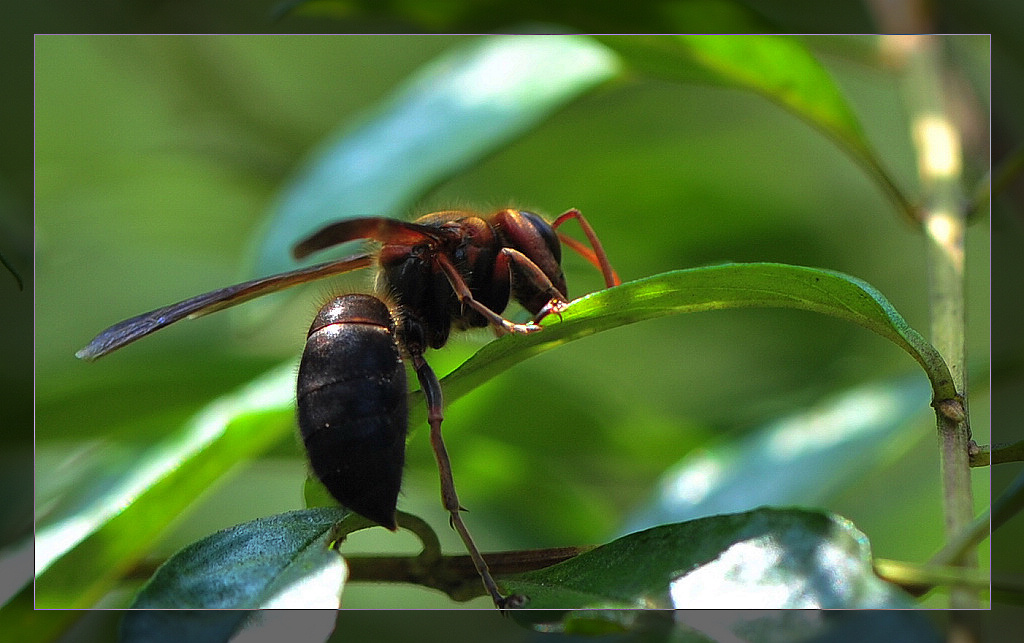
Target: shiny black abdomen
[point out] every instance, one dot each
(352, 405)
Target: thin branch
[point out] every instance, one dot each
(997, 454)
(965, 541)
(1009, 169)
(937, 141)
(919, 579)
(1009, 503)
(456, 576)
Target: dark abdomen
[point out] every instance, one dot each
(352, 405)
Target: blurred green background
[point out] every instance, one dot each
(158, 159)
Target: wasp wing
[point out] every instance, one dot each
(376, 228)
(129, 330)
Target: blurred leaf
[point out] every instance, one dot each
(1009, 503)
(110, 522)
(20, 621)
(16, 569)
(315, 494)
(454, 111)
(283, 561)
(780, 68)
(763, 559)
(10, 269)
(444, 16)
(802, 459)
(753, 285)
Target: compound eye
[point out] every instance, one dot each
(546, 232)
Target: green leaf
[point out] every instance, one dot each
(114, 520)
(780, 68)
(753, 285)
(283, 561)
(459, 108)
(763, 559)
(803, 459)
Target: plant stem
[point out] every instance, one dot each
(998, 454)
(456, 576)
(920, 578)
(943, 218)
(1008, 504)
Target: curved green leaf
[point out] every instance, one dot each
(114, 519)
(781, 68)
(462, 106)
(282, 561)
(753, 285)
(763, 559)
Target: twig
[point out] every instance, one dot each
(919, 579)
(997, 454)
(456, 576)
(937, 141)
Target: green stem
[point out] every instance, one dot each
(456, 576)
(923, 577)
(1009, 169)
(997, 454)
(939, 163)
(1008, 504)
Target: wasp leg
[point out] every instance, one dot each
(432, 392)
(598, 257)
(462, 290)
(531, 272)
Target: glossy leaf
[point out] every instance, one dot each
(283, 561)
(755, 285)
(762, 559)
(781, 68)
(457, 109)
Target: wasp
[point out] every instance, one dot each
(446, 270)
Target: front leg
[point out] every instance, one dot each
(527, 273)
(466, 297)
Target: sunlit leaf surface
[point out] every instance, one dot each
(278, 562)
(710, 288)
(762, 559)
